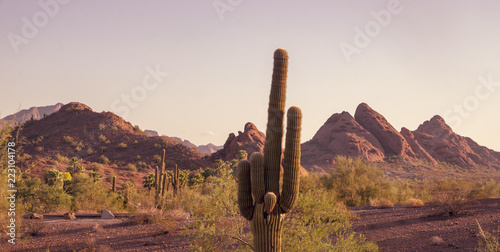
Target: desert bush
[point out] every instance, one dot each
(413, 203)
(29, 228)
(68, 140)
(141, 165)
(131, 167)
(122, 146)
(97, 167)
(103, 159)
(42, 198)
(62, 159)
(90, 195)
(381, 203)
(137, 158)
(488, 242)
(39, 149)
(356, 181)
(90, 151)
(452, 196)
(101, 126)
(321, 223)
(102, 138)
(486, 190)
(156, 159)
(110, 176)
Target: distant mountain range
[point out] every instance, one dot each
(75, 130)
(37, 113)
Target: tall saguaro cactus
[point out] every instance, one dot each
(259, 197)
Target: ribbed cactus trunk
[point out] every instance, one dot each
(164, 184)
(259, 197)
(175, 180)
(114, 184)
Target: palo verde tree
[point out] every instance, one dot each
(259, 197)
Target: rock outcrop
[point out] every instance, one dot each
(391, 140)
(439, 140)
(419, 151)
(250, 140)
(342, 135)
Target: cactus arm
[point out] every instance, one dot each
(257, 175)
(245, 201)
(291, 161)
(274, 131)
(269, 202)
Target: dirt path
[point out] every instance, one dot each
(413, 229)
(395, 229)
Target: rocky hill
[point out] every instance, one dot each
(77, 131)
(372, 137)
(250, 140)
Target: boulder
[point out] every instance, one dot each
(106, 214)
(69, 216)
(33, 216)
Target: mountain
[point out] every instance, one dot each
(250, 140)
(35, 113)
(372, 137)
(77, 131)
(205, 149)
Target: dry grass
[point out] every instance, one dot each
(413, 203)
(381, 203)
(488, 242)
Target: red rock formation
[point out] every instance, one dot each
(444, 145)
(419, 151)
(391, 140)
(340, 135)
(250, 140)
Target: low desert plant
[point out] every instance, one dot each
(413, 203)
(132, 167)
(103, 159)
(122, 146)
(381, 203)
(488, 242)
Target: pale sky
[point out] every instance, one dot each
(200, 70)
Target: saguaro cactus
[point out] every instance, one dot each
(175, 180)
(114, 184)
(259, 197)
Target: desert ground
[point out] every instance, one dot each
(394, 229)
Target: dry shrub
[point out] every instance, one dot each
(381, 203)
(413, 203)
(488, 242)
(452, 196)
(147, 216)
(31, 228)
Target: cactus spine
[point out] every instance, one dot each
(114, 184)
(260, 177)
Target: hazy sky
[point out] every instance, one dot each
(200, 70)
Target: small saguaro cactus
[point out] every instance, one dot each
(259, 197)
(114, 184)
(175, 180)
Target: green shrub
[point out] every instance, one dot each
(103, 159)
(42, 198)
(68, 140)
(356, 181)
(101, 126)
(62, 159)
(102, 138)
(90, 151)
(39, 149)
(131, 167)
(122, 146)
